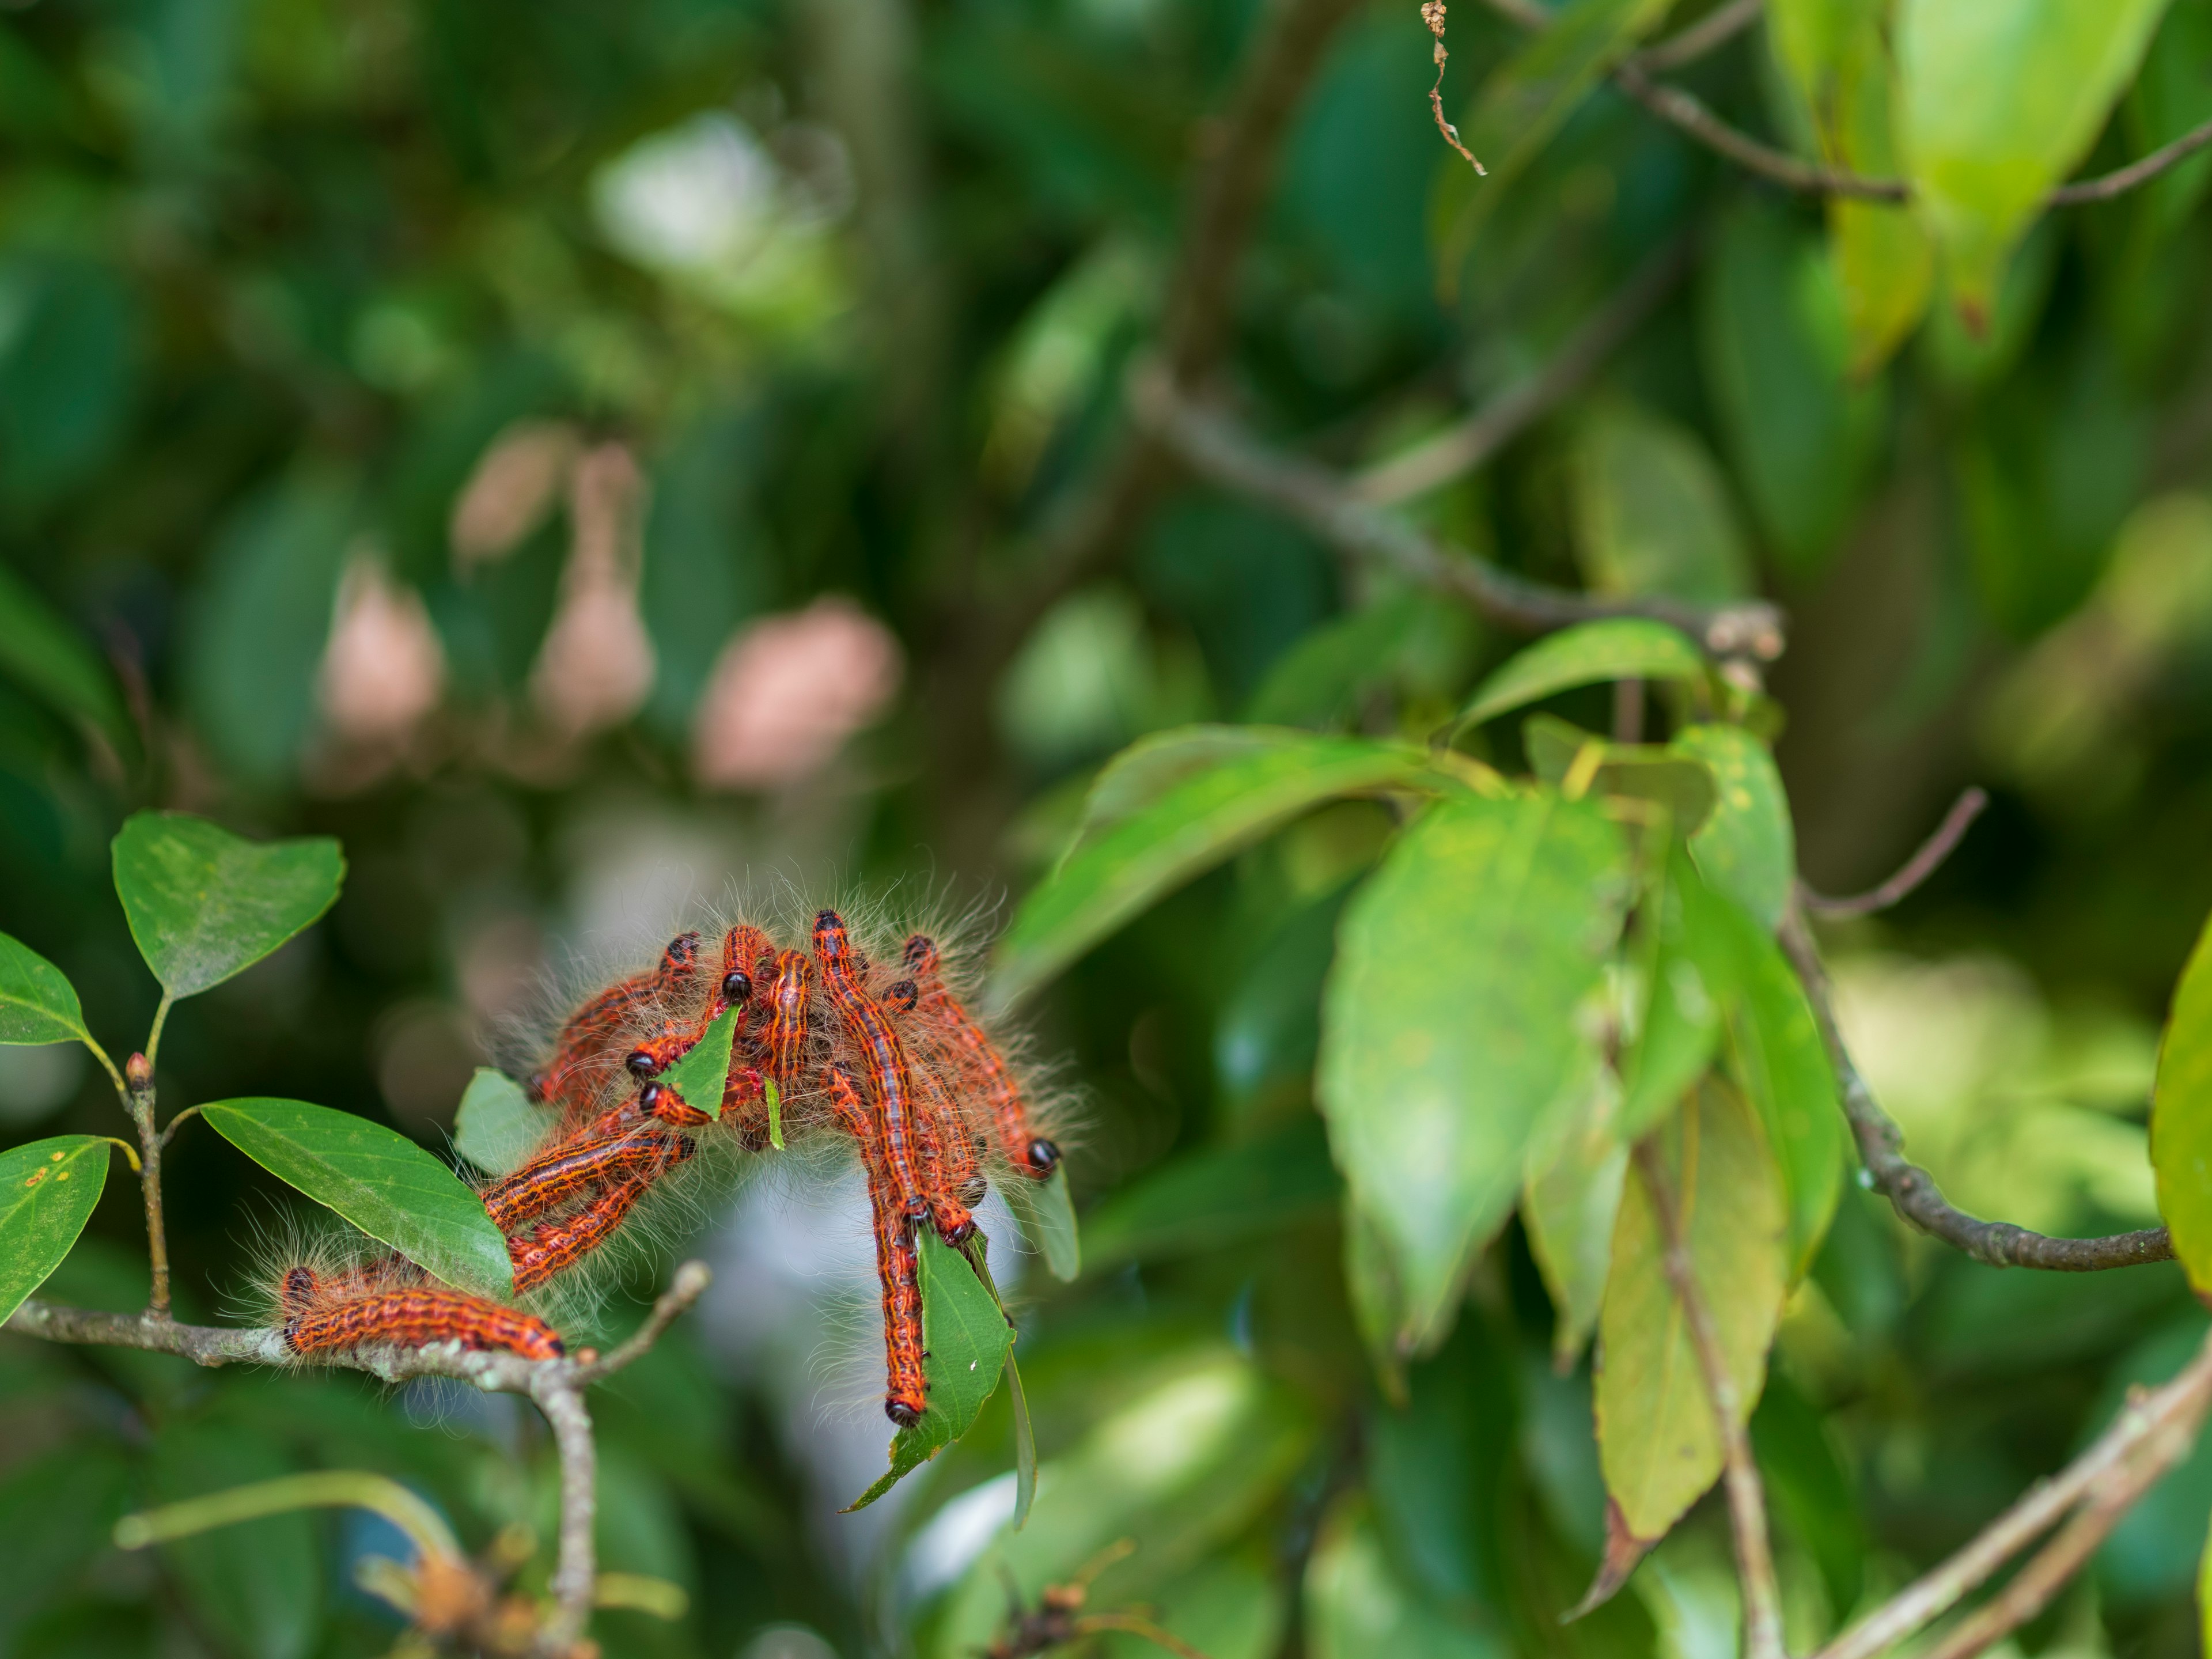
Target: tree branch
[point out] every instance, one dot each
(555, 1386)
(1714, 30)
(1912, 1190)
(2155, 1429)
(1915, 869)
(1217, 448)
(1462, 447)
(1746, 1498)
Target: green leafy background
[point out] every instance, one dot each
(286, 285)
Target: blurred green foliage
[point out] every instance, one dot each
(354, 352)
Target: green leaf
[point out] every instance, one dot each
(1631, 771)
(967, 1338)
(1569, 1207)
(1454, 1020)
(1657, 1443)
(257, 1585)
(1618, 648)
(1651, 511)
(1234, 791)
(701, 1076)
(1782, 1064)
(1046, 1211)
(377, 1179)
(1217, 1196)
(1692, 966)
(203, 903)
(1522, 105)
(46, 656)
(1836, 55)
(1319, 681)
(1357, 1603)
(2172, 96)
(496, 1127)
(2181, 1117)
(2204, 1596)
(1777, 353)
(1025, 1457)
(2001, 98)
(1747, 849)
(37, 1003)
(48, 1189)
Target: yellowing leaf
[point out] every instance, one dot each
(2001, 99)
(1658, 1443)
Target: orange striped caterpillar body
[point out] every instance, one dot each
(786, 1025)
(915, 1172)
(988, 1073)
(582, 1055)
(897, 1273)
(553, 1247)
(575, 1168)
(411, 1317)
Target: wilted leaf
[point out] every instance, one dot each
(203, 903)
(1747, 849)
(1651, 511)
(1454, 1019)
(496, 1127)
(48, 1190)
(1618, 648)
(700, 1076)
(37, 1003)
(1657, 1439)
(2000, 100)
(1236, 790)
(966, 1337)
(377, 1179)
(1046, 1210)
(2181, 1117)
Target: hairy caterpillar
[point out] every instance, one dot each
(328, 1316)
(886, 1052)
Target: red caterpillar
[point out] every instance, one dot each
(556, 1246)
(916, 1174)
(411, 1317)
(583, 1049)
(1024, 1149)
(576, 1168)
(906, 1386)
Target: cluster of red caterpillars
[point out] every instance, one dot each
(894, 1061)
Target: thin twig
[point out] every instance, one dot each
(2176, 1409)
(1912, 1190)
(1461, 449)
(1432, 13)
(1915, 869)
(1746, 1498)
(556, 1386)
(1714, 30)
(2120, 180)
(1217, 448)
(139, 1100)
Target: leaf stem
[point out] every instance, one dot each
(323, 1489)
(128, 1151)
(154, 1036)
(1746, 1498)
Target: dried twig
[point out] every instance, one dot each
(1432, 13)
(1217, 448)
(1462, 447)
(2155, 1430)
(1747, 1498)
(1912, 1191)
(556, 1386)
(1915, 869)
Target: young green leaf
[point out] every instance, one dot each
(1657, 1443)
(203, 903)
(37, 1003)
(377, 1179)
(2000, 100)
(1454, 1019)
(1046, 1211)
(48, 1189)
(496, 1127)
(1747, 849)
(1219, 808)
(2181, 1117)
(1616, 648)
(700, 1076)
(1568, 1207)
(967, 1339)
